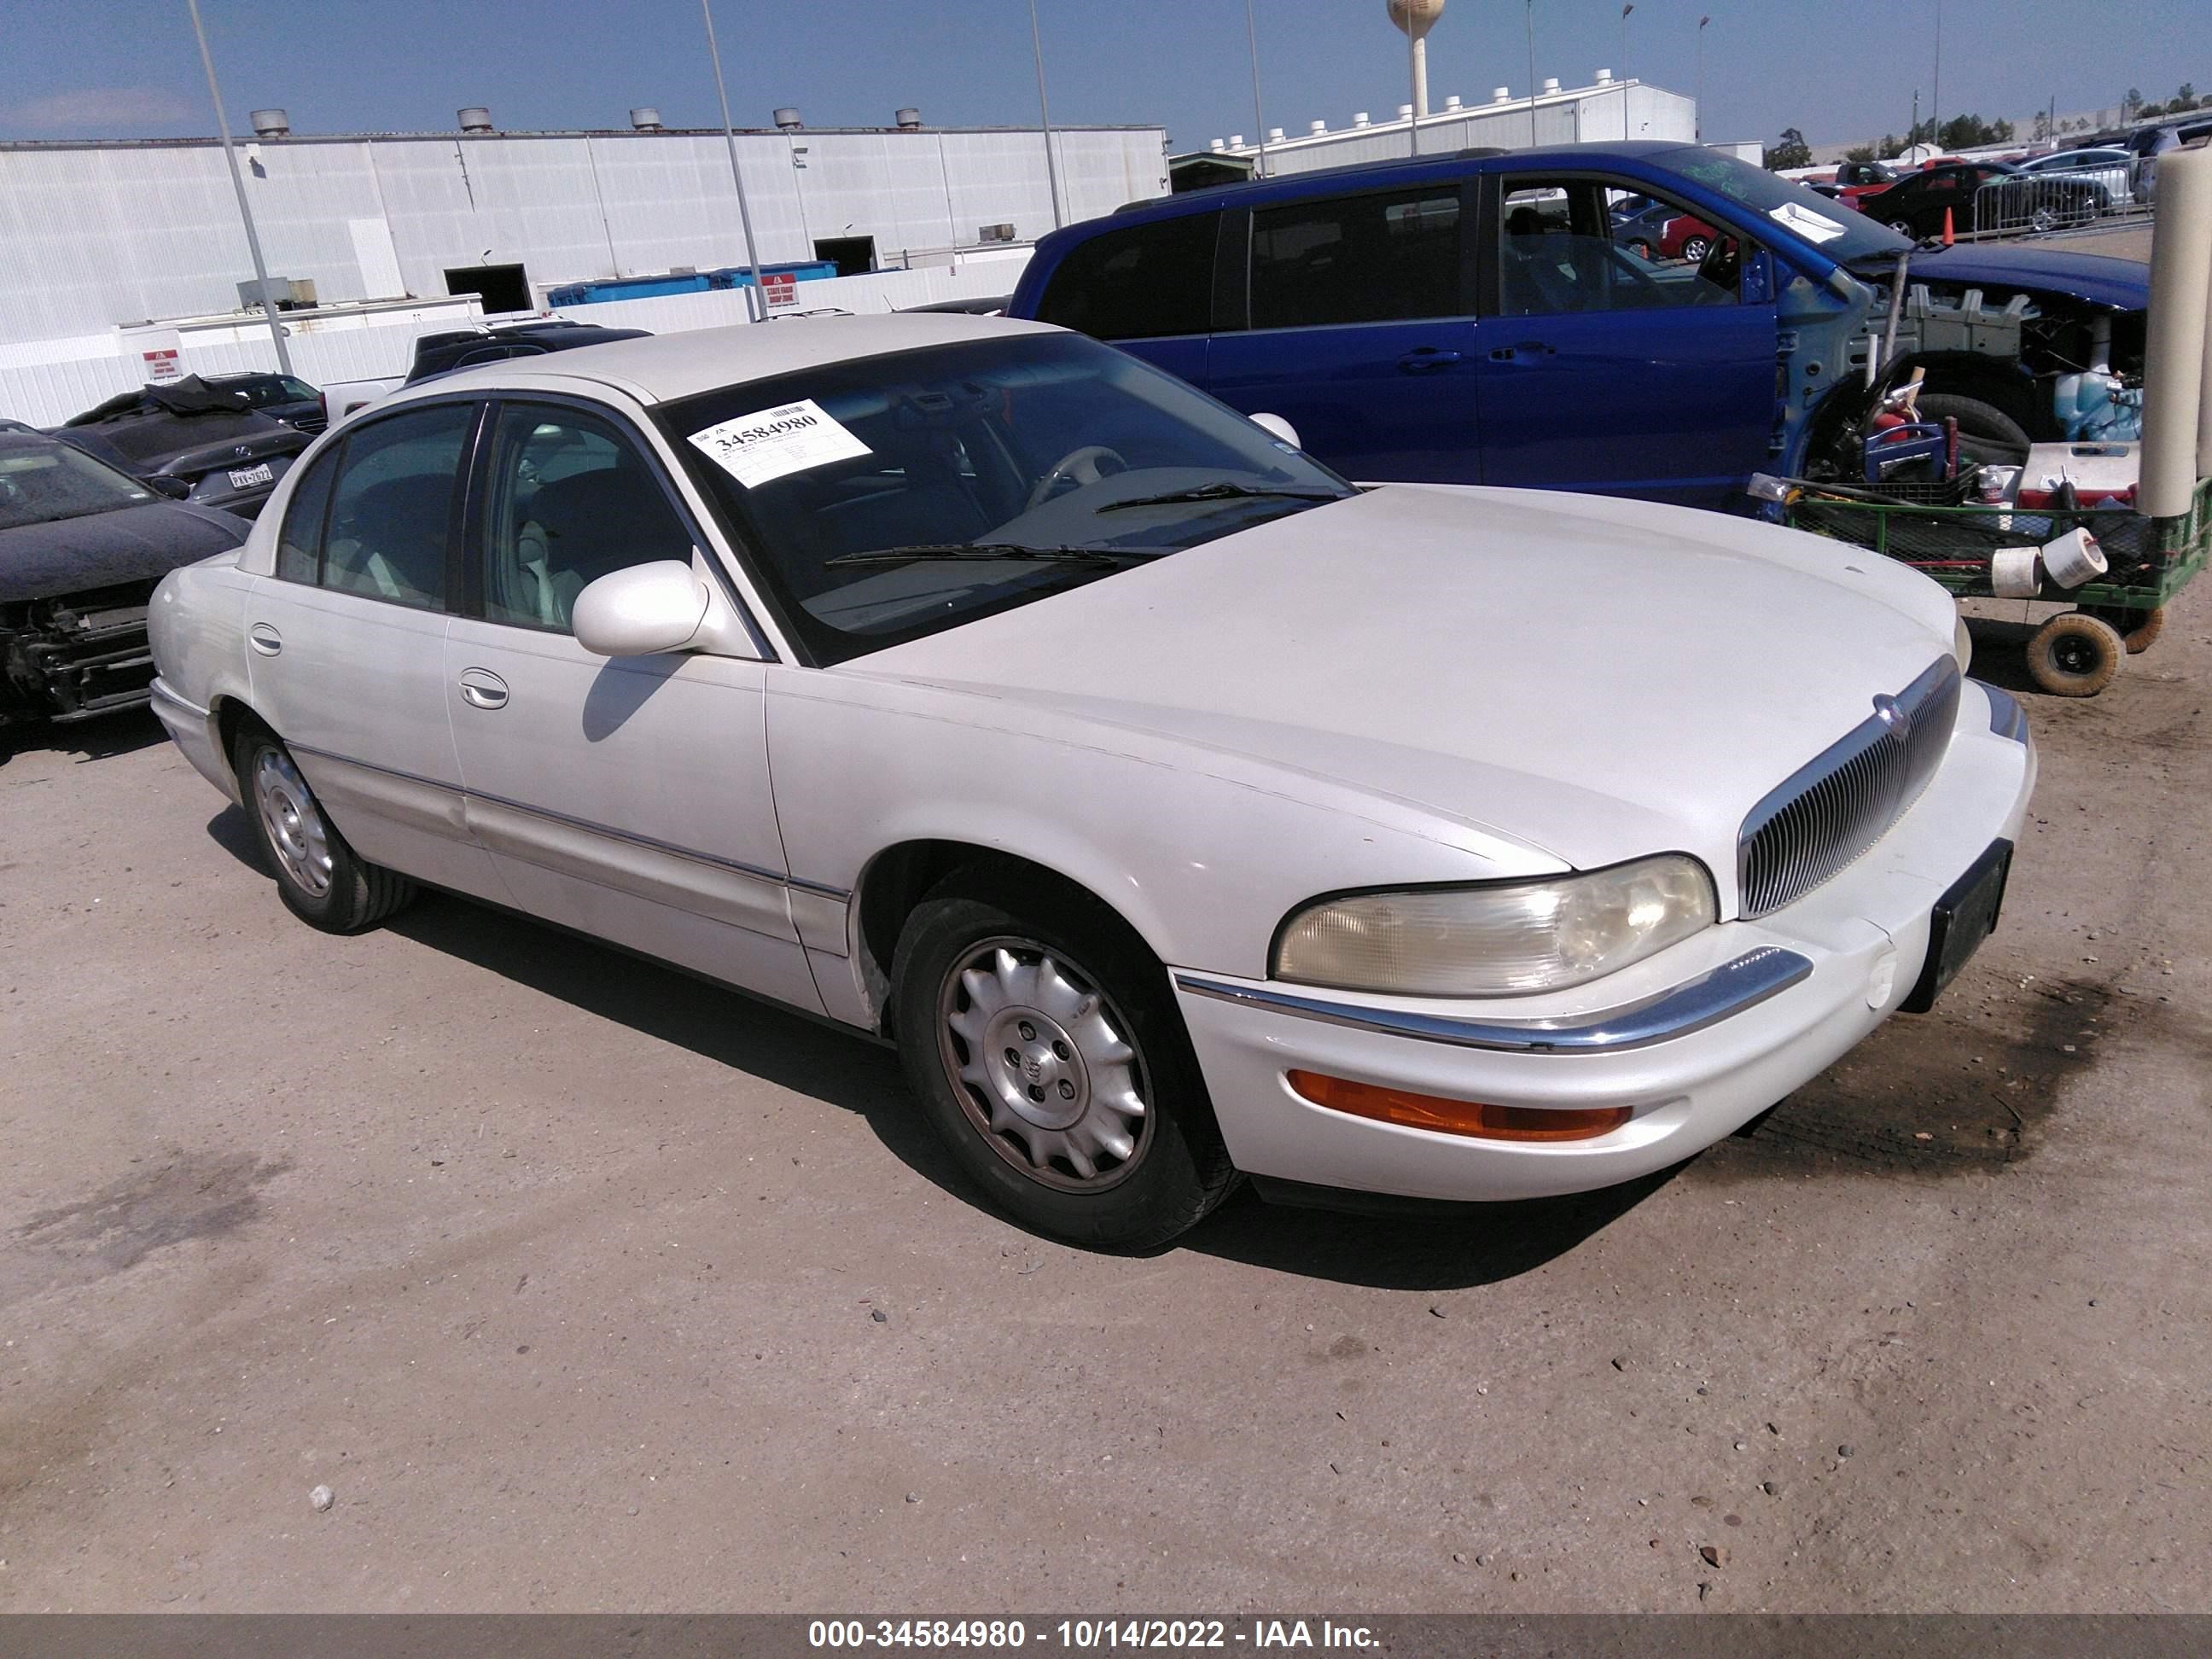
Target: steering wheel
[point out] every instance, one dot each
(1721, 270)
(1081, 467)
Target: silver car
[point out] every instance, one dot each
(2114, 169)
(1179, 809)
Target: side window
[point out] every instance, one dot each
(569, 499)
(1562, 248)
(299, 543)
(1141, 283)
(1357, 259)
(392, 506)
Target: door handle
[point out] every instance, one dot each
(1423, 359)
(481, 689)
(1522, 349)
(264, 639)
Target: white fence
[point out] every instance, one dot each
(46, 386)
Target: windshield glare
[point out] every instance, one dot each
(42, 481)
(1027, 441)
(1836, 231)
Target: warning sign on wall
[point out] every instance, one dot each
(779, 289)
(162, 365)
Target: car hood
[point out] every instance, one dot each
(102, 550)
(1594, 678)
(2095, 278)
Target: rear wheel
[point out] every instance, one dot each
(321, 879)
(1049, 1057)
(2138, 630)
(1695, 248)
(2075, 656)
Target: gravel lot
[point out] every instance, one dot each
(581, 1284)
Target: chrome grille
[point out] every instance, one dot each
(1844, 799)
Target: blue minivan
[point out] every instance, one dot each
(1482, 318)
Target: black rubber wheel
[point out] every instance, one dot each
(2075, 654)
(1694, 249)
(321, 879)
(1042, 1038)
(1986, 434)
(1640, 246)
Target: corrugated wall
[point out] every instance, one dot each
(46, 394)
(93, 237)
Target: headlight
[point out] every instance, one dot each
(1505, 939)
(1962, 646)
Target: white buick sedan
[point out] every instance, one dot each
(1178, 809)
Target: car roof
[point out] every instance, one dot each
(660, 368)
(1291, 186)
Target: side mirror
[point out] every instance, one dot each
(164, 483)
(640, 612)
(1281, 427)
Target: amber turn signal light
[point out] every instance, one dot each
(1455, 1117)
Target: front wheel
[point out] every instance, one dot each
(321, 879)
(1048, 1055)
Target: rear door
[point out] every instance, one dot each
(1361, 333)
(1602, 371)
(347, 640)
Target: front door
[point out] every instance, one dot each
(1605, 371)
(628, 797)
(347, 640)
(1361, 334)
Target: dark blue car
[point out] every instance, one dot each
(1478, 319)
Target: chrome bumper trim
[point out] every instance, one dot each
(160, 691)
(1729, 989)
(2006, 718)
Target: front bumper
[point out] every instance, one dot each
(1695, 1041)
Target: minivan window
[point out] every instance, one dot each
(1144, 281)
(1369, 258)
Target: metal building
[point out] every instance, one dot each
(94, 234)
(1606, 109)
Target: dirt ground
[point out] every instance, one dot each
(584, 1285)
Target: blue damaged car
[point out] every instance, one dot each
(1478, 319)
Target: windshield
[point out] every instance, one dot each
(1836, 231)
(890, 497)
(42, 481)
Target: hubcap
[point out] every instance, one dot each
(296, 832)
(1043, 1066)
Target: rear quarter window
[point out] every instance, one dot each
(1140, 281)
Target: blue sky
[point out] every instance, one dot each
(128, 67)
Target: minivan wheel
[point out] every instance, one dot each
(1050, 1058)
(321, 879)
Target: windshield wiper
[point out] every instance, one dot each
(993, 551)
(1222, 492)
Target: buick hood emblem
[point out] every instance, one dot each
(1892, 715)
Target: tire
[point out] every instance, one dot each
(2138, 630)
(1641, 248)
(1011, 993)
(1694, 249)
(321, 879)
(2075, 656)
(1986, 433)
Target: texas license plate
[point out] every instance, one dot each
(1964, 917)
(246, 478)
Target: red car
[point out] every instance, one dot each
(1686, 238)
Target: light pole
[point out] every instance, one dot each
(1697, 128)
(1051, 169)
(1936, 90)
(1258, 116)
(238, 184)
(1532, 74)
(730, 137)
(1625, 11)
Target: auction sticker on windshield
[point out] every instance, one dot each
(758, 448)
